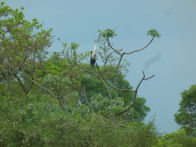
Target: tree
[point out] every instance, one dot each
(178, 138)
(23, 46)
(23, 62)
(186, 115)
(50, 101)
(112, 65)
(98, 97)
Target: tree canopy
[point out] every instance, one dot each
(186, 115)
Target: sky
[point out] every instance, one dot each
(171, 57)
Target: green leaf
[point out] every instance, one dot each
(84, 77)
(74, 45)
(34, 19)
(2, 3)
(109, 33)
(153, 33)
(66, 80)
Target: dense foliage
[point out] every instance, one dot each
(186, 115)
(45, 124)
(176, 139)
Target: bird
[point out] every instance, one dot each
(93, 56)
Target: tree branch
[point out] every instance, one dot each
(121, 57)
(124, 89)
(109, 44)
(44, 88)
(92, 73)
(87, 102)
(20, 83)
(128, 53)
(135, 94)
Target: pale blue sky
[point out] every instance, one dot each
(174, 53)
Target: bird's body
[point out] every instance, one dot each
(92, 61)
(93, 57)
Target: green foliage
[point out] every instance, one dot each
(84, 78)
(42, 96)
(98, 96)
(153, 33)
(74, 45)
(2, 3)
(176, 139)
(186, 115)
(43, 124)
(107, 33)
(105, 106)
(23, 45)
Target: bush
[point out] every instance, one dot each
(177, 139)
(44, 124)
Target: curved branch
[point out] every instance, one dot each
(135, 95)
(109, 44)
(128, 53)
(122, 55)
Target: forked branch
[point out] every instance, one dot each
(135, 94)
(128, 53)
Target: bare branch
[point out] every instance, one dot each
(119, 89)
(122, 55)
(109, 44)
(128, 53)
(149, 77)
(135, 95)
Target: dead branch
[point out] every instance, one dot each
(135, 94)
(110, 45)
(122, 55)
(128, 53)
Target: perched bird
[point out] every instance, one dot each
(93, 56)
